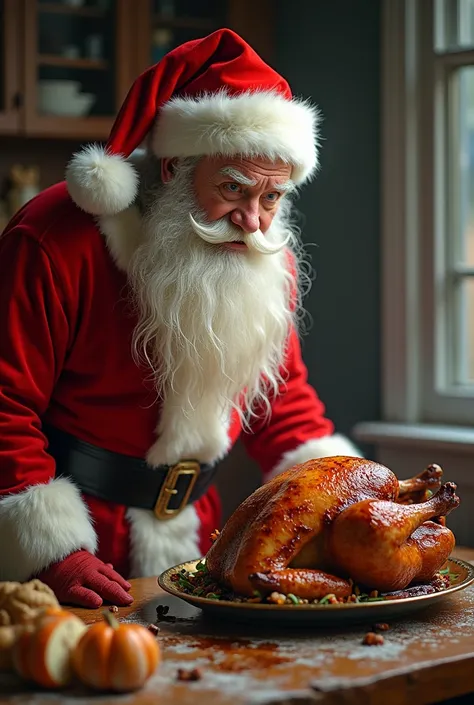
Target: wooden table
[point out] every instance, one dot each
(425, 659)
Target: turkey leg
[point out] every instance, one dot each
(415, 489)
(302, 582)
(386, 545)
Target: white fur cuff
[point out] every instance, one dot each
(336, 444)
(157, 545)
(40, 526)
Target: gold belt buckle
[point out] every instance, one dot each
(185, 467)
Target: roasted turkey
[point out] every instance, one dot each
(314, 528)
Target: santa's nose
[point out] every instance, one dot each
(246, 218)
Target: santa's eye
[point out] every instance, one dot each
(232, 187)
(273, 196)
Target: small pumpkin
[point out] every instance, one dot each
(42, 653)
(116, 656)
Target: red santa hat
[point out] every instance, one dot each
(210, 96)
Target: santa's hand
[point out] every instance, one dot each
(84, 580)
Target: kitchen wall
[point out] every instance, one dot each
(329, 51)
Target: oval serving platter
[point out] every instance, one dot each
(301, 615)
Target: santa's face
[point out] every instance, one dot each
(213, 322)
(246, 192)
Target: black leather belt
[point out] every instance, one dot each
(126, 480)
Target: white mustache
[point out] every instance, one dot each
(222, 231)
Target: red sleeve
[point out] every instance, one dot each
(41, 519)
(32, 351)
(297, 416)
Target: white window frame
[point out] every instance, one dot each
(414, 260)
(417, 415)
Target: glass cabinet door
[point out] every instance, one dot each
(10, 102)
(73, 66)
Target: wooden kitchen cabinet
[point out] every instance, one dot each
(66, 65)
(76, 59)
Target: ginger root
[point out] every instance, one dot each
(27, 599)
(6, 589)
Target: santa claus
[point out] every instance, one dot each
(151, 303)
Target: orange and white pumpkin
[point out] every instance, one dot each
(115, 656)
(42, 653)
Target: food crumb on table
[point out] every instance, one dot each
(381, 627)
(193, 674)
(373, 639)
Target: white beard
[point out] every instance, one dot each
(213, 324)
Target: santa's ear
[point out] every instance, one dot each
(168, 166)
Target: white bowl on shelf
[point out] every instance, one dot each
(64, 90)
(83, 103)
(57, 95)
(75, 106)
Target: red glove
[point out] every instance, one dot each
(84, 580)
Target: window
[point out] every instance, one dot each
(428, 222)
(454, 80)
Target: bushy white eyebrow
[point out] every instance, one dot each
(237, 176)
(286, 187)
(240, 178)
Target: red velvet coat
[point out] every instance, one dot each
(65, 358)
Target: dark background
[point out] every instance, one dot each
(330, 52)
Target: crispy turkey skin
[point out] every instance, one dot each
(314, 526)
